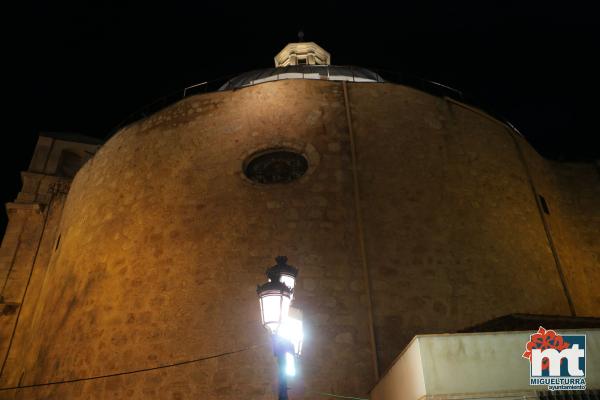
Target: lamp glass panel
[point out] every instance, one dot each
(291, 330)
(274, 309)
(288, 281)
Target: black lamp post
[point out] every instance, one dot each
(275, 298)
(282, 272)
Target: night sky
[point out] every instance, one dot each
(83, 68)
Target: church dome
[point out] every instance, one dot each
(303, 71)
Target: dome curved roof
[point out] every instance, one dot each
(303, 71)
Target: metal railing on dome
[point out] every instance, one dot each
(169, 99)
(221, 84)
(441, 90)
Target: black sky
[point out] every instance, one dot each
(82, 67)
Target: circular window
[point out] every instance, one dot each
(276, 166)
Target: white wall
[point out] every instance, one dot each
(472, 365)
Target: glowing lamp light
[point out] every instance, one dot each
(291, 329)
(274, 298)
(282, 272)
(290, 364)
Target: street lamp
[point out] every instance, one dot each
(283, 322)
(282, 272)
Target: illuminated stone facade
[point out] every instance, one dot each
(417, 214)
(302, 53)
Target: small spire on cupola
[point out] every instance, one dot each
(302, 52)
(300, 36)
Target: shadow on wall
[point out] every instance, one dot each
(68, 164)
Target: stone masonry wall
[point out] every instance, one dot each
(26, 249)
(453, 233)
(572, 194)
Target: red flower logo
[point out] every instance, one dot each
(545, 339)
